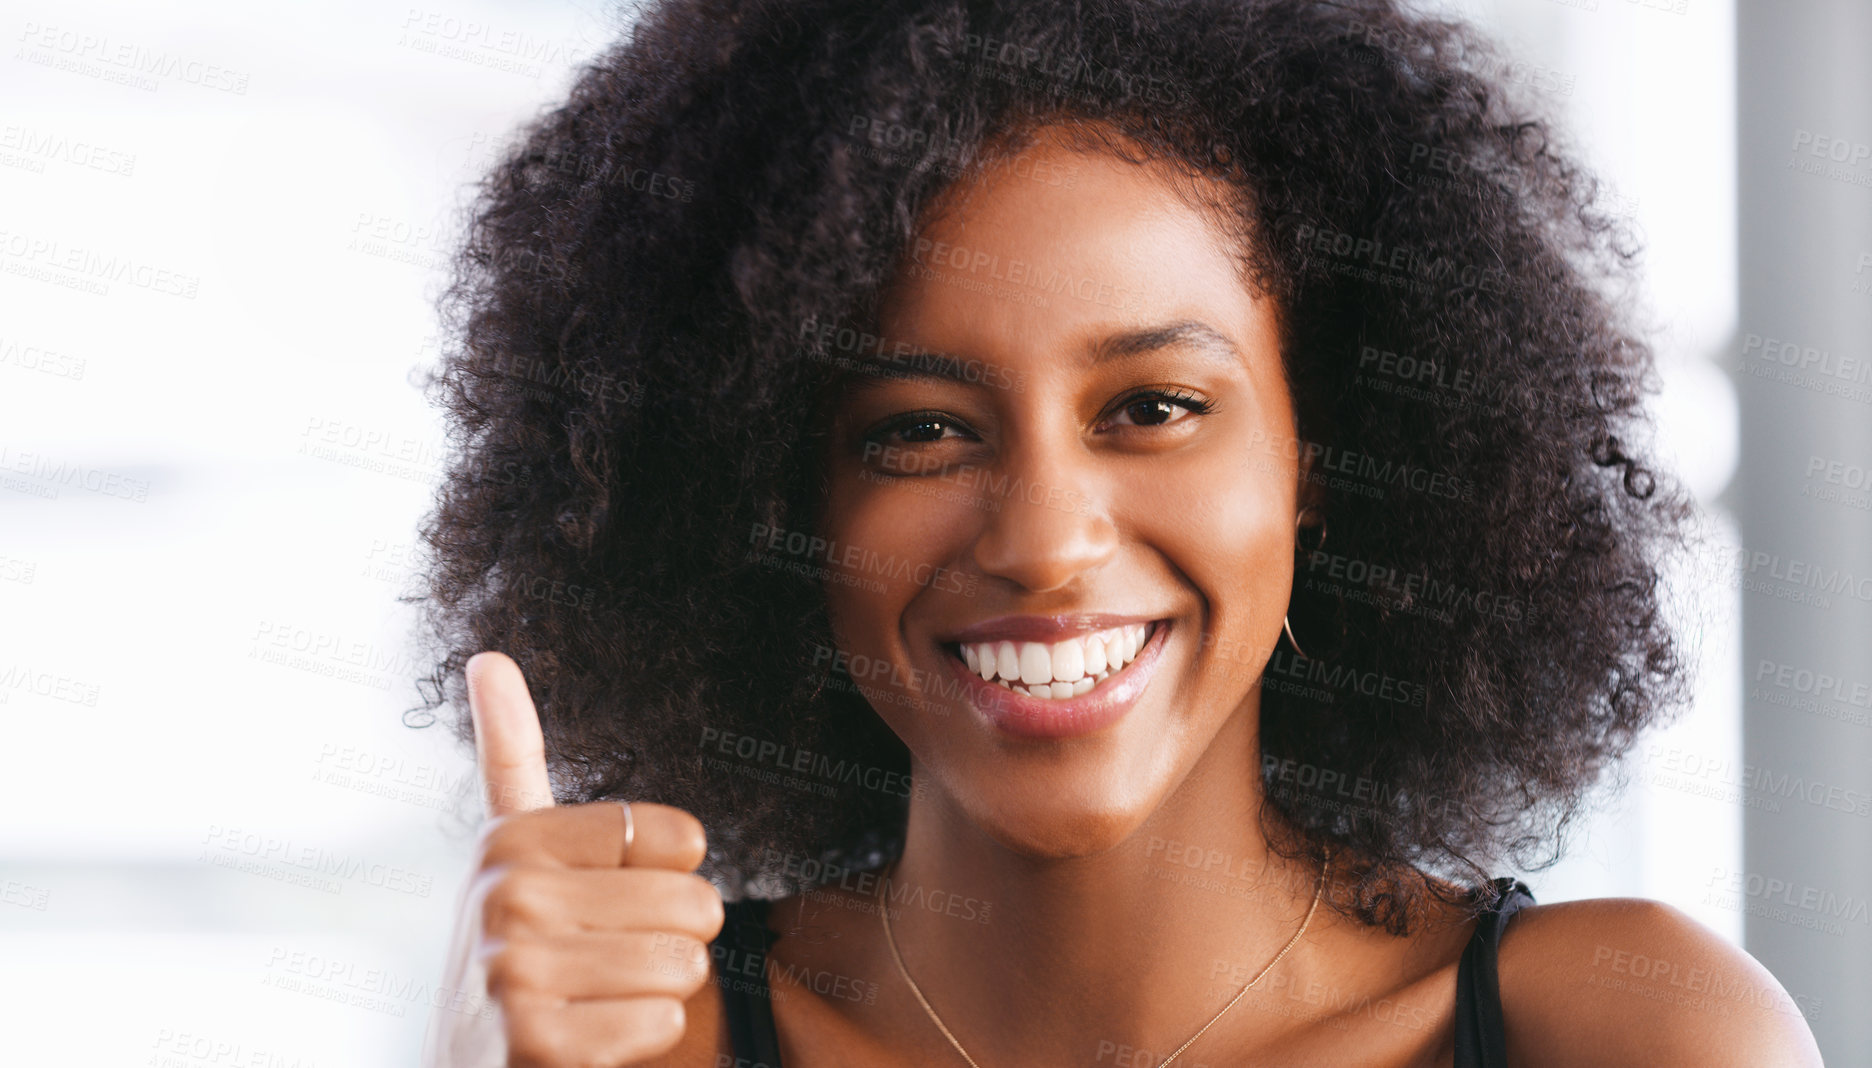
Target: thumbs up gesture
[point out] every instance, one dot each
(590, 947)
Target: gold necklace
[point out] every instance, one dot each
(884, 911)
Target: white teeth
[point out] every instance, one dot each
(1058, 670)
(1036, 663)
(1068, 660)
(1007, 661)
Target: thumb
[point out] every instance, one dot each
(508, 743)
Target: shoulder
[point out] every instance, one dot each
(1653, 985)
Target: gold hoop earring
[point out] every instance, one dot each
(1287, 628)
(1322, 529)
(1286, 624)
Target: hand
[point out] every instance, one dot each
(590, 960)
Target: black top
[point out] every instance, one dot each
(740, 956)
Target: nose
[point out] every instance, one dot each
(1046, 529)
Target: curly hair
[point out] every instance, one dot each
(647, 312)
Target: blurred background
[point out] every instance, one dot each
(222, 230)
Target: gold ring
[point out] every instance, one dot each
(630, 835)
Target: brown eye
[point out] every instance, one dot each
(1158, 408)
(915, 429)
(1153, 412)
(921, 429)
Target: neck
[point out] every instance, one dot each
(1090, 959)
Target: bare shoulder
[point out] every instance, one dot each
(1629, 981)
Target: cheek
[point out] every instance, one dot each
(1226, 523)
(880, 539)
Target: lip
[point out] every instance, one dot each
(1036, 717)
(1040, 628)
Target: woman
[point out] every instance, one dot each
(1110, 518)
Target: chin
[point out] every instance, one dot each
(1056, 826)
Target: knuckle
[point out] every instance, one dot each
(691, 836)
(515, 899)
(499, 840)
(693, 969)
(517, 966)
(657, 1026)
(664, 1020)
(535, 1041)
(701, 908)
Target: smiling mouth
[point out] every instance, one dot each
(1056, 671)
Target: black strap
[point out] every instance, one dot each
(1481, 1041)
(740, 958)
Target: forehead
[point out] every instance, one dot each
(1061, 238)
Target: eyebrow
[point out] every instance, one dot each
(875, 370)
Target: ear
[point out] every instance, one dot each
(1309, 494)
(1310, 500)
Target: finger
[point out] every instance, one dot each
(592, 836)
(535, 902)
(600, 965)
(611, 1032)
(508, 742)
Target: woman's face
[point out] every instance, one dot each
(1104, 446)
